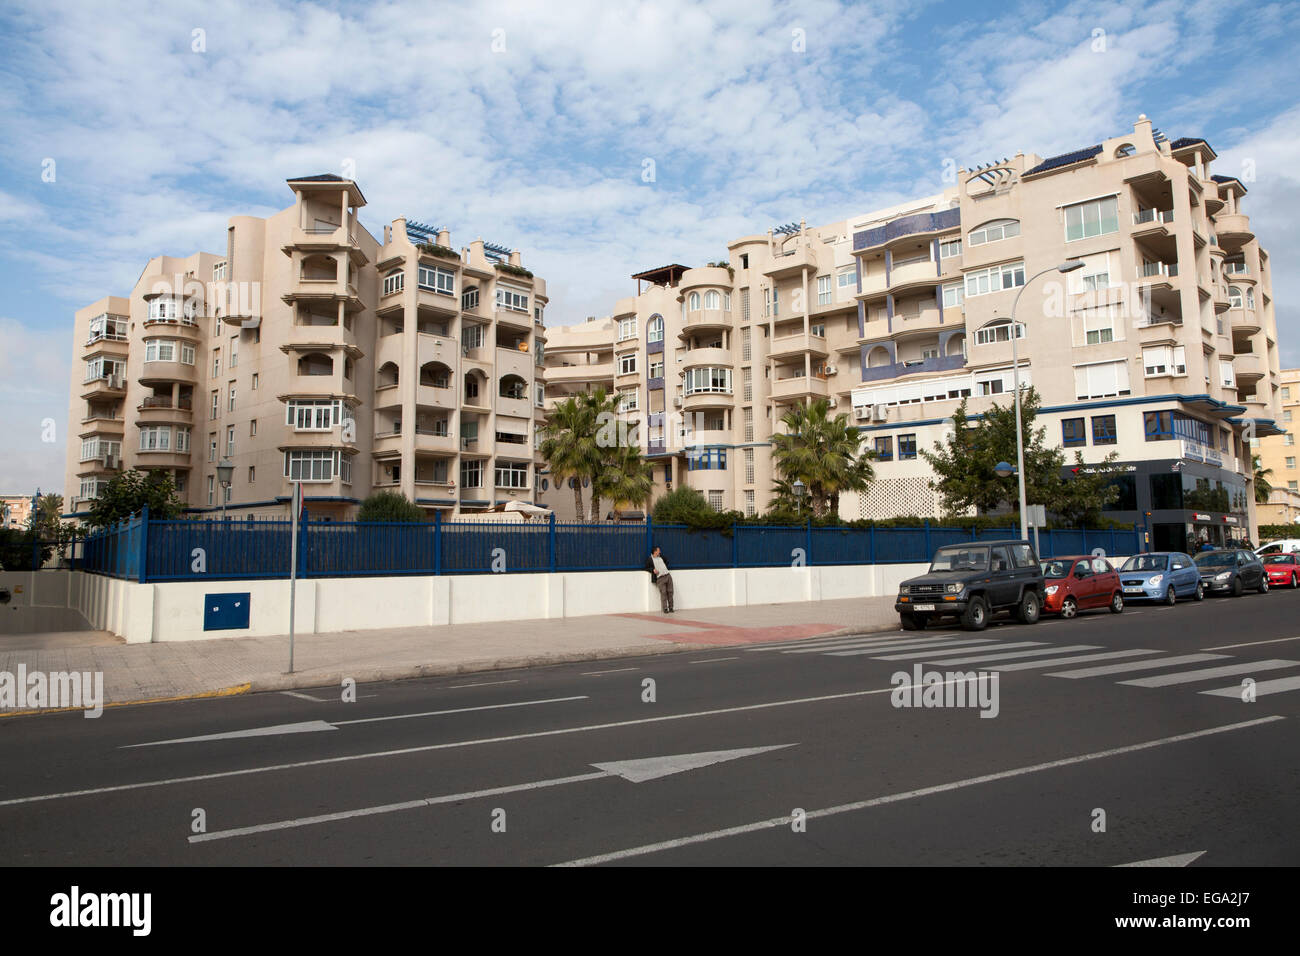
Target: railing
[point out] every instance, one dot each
(1153, 215)
(150, 550)
(1150, 269)
(162, 401)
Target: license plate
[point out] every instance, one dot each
(1132, 590)
(923, 607)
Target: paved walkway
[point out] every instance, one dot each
(138, 672)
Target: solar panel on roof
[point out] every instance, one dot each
(1065, 159)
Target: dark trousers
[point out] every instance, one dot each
(665, 586)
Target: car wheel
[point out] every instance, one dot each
(1263, 584)
(1295, 580)
(1236, 587)
(1069, 608)
(1030, 608)
(1170, 597)
(1117, 603)
(976, 615)
(908, 622)
(1200, 592)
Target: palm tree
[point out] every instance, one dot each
(569, 444)
(822, 452)
(625, 477)
(607, 443)
(1263, 487)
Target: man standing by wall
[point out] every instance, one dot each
(661, 579)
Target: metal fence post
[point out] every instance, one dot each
(303, 538)
(735, 543)
(550, 540)
(437, 542)
(871, 543)
(142, 571)
(649, 533)
(928, 550)
(807, 538)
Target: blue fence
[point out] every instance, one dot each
(144, 549)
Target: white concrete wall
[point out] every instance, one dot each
(173, 611)
(38, 601)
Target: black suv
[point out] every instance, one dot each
(972, 581)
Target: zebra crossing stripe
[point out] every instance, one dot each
(1052, 662)
(1007, 654)
(1105, 670)
(1187, 677)
(939, 647)
(892, 642)
(863, 639)
(1278, 686)
(916, 655)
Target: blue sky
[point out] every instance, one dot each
(529, 124)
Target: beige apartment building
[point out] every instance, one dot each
(1162, 346)
(312, 352)
(1278, 454)
(15, 511)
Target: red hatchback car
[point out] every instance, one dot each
(1283, 570)
(1076, 584)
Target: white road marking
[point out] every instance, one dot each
(1228, 647)
(485, 683)
(783, 822)
(1106, 669)
(1053, 662)
(616, 670)
(1187, 677)
(917, 655)
(888, 648)
(1181, 859)
(294, 693)
(714, 660)
(852, 639)
(314, 725)
(428, 748)
(940, 662)
(1278, 686)
(635, 771)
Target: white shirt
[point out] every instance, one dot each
(660, 568)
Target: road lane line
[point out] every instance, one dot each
(461, 710)
(1188, 677)
(1107, 669)
(783, 822)
(714, 660)
(891, 646)
(294, 693)
(484, 683)
(1278, 686)
(1228, 647)
(616, 670)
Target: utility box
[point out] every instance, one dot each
(225, 612)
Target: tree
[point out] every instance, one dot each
(822, 452)
(624, 478)
(608, 441)
(47, 519)
(569, 442)
(127, 494)
(390, 506)
(1263, 487)
(683, 506)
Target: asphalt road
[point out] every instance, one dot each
(565, 764)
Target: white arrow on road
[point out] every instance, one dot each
(1181, 859)
(311, 726)
(636, 771)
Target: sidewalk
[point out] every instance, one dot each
(140, 672)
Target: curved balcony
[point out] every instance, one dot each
(164, 458)
(703, 319)
(324, 293)
(323, 239)
(913, 275)
(699, 401)
(1248, 367)
(1245, 320)
(912, 227)
(162, 411)
(188, 327)
(714, 358)
(799, 386)
(715, 276)
(98, 425)
(1233, 228)
(798, 344)
(164, 372)
(103, 388)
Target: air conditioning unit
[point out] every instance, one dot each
(677, 400)
(829, 369)
(833, 403)
(879, 413)
(862, 413)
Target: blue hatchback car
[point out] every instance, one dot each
(1161, 576)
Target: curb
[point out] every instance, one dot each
(232, 691)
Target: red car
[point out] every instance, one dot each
(1283, 570)
(1079, 583)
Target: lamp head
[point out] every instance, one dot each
(1004, 469)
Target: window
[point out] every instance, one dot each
(469, 299)
(212, 446)
(1073, 432)
(252, 474)
(744, 305)
(1234, 297)
(993, 232)
(712, 300)
(746, 349)
(693, 302)
(708, 380)
(155, 438)
(952, 295)
(212, 482)
(1164, 360)
(234, 351)
(748, 377)
(1103, 430)
(512, 298)
(1101, 380)
(1288, 439)
(706, 459)
(628, 399)
(218, 271)
(393, 282)
(1099, 326)
(654, 330)
(627, 364)
(1286, 391)
(187, 354)
(750, 509)
(1250, 297)
(998, 331)
(471, 336)
(824, 290)
(1096, 218)
(1226, 373)
(1293, 486)
(252, 427)
(216, 403)
(952, 247)
(1290, 462)
(442, 281)
(749, 420)
(230, 441)
(232, 397)
(907, 447)
(884, 447)
(715, 500)
(159, 350)
(255, 381)
(315, 415)
(847, 276)
(511, 474)
(818, 329)
(313, 465)
(656, 368)
(183, 440)
(995, 279)
(749, 466)
(1286, 414)
(776, 302)
(627, 328)
(216, 362)
(471, 473)
(539, 398)
(1158, 426)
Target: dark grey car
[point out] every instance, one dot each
(1231, 572)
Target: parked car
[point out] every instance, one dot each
(971, 582)
(1080, 583)
(1229, 571)
(1161, 576)
(1286, 546)
(1283, 570)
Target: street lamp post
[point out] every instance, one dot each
(1068, 266)
(225, 472)
(799, 488)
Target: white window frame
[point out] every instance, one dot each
(155, 438)
(954, 295)
(434, 279)
(999, 278)
(824, 290)
(311, 465)
(1105, 223)
(994, 231)
(627, 364)
(656, 369)
(654, 330)
(629, 399)
(512, 474)
(1094, 383)
(706, 379)
(627, 328)
(315, 414)
(394, 282)
(999, 330)
(511, 298)
(948, 248)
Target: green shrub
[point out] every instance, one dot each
(389, 506)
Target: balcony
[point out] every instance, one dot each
(1248, 367)
(167, 372)
(1233, 229)
(559, 374)
(435, 396)
(388, 442)
(1157, 275)
(702, 319)
(708, 357)
(943, 363)
(104, 387)
(785, 345)
(792, 263)
(102, 425)
(799, 386)
(428, 439)
(312, 239)
(113, 346)
(161, 410)
(698, 401)
(1245, 320)
(873, 283)
(918, 225)
(323, 293)
(513, 319)
(912, 275)
(186, 326)
(333, 335)
(1150, 223)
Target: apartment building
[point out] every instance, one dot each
(1162, 346)
(1278, 454)
(312, 352)
(15, 511)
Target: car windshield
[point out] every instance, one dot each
(960, 559)
(1280, 559)
(1056, 569)
(1216, 559)
(1146, 562)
